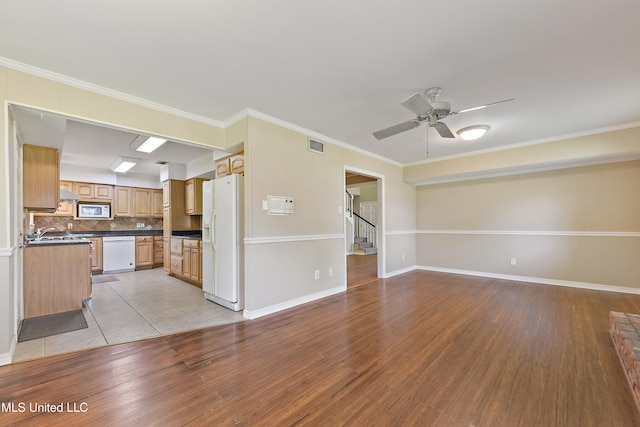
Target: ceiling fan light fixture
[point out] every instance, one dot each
(471, 133)
(147, 144)
(123, 164)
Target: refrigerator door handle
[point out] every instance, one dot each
(213, 229)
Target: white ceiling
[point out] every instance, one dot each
(341, 68)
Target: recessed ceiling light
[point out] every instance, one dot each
(147, 145)
(123, 164)
(472, 133)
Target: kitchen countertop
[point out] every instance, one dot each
(89, 234)
(58, 240)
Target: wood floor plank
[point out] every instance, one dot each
(423, 348)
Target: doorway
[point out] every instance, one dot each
(363, 227)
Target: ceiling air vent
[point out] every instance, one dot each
(315, 146)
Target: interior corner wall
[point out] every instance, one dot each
(282, 253)
(579, 224)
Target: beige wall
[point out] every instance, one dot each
(579, 224)
(283, 252)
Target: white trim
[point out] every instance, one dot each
(398, 272)
(60, 78)
(528, 143)
(7, 252)
(400, 232)
(535, 233)
(7, 358)
(287, 239)
(537, 280)
(528, 168)
(253, 314)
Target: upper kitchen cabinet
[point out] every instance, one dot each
(230, 165)
(141, 202)
(193, 196)
(90, 191)
(66, 206)
(41, 177)
(122, 201)
(156, 203)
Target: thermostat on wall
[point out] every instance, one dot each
(279, 205)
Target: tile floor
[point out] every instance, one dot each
(138, 305)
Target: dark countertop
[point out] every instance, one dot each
(89, 234)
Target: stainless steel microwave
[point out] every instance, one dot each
(94, 210)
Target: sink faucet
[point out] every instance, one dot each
(42, 232)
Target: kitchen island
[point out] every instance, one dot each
(57, 276)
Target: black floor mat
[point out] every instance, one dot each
(52, 324)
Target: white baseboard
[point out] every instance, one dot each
(398, 272)
(254, 314)
(539, 280)
(6, 358)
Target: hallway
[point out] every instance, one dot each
(361, 269)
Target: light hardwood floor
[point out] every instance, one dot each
(420, 349)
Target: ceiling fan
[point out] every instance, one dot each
(429, 110)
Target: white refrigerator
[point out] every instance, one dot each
(222, 241)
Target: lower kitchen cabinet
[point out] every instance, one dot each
(56, 278)
(186, 260)
(144, 252)
(96, 254)
(158, 251)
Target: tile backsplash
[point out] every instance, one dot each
(61, 223)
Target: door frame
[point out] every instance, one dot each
(380, 227)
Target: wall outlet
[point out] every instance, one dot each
(317, 274)
(513, 261)
(70, 225)
(403, 257)
(331, 271)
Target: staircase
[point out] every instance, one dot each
(361, 246)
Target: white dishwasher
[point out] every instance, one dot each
(118, 254)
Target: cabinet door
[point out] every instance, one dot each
(103, 191)
(193, 196)
(194, 264)
(167, 254)
(141, 202)
(122, 201)
(144, 252)
(156, 203)
(41, 175)
(166, 193)
(96, 254)
(85, 190)
(223, 167)
(237, 164)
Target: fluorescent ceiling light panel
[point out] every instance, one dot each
(149, 145)
(123, 164)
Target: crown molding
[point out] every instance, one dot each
(81, 84)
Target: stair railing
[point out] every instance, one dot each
(365, 229)
(348, 203)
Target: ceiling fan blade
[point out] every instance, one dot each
(479, 107)
(444, 130)
(418, 104)
(394, 130)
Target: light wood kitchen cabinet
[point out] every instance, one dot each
(41, 176)
(156, 203)
(91, 191)
(174, 216)
(141, 202)
(122, 201)
(144, 252)
(65, 208)
(56, 278)
(223, 167)
(166, 250)
(176, 256)
(193, 196)
(96, 254)
(158, 251)
(230, 165)
(191, 260)
(236, 163)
